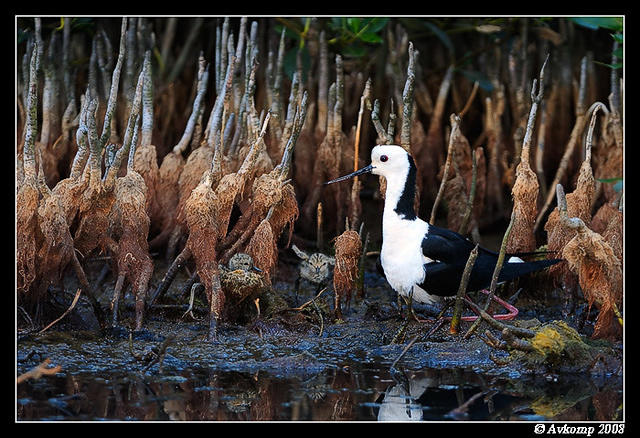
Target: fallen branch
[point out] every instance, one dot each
(519, 331)
(39, 371)
(66, 312)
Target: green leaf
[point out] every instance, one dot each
(615, 66)
(595, 23)
(609, 180)
(354, 24)
(618, 37)
(377, 24)
(371, 38)
(618, 52)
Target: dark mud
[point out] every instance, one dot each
(292, 365)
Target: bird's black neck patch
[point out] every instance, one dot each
(405, 203)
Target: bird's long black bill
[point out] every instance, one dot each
(367, 169)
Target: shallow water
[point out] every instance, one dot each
(345, 374)
(367, 394)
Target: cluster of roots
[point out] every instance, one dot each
(199, 161)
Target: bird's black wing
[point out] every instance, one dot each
(447, 246)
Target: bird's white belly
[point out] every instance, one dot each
(401, 272)
(401, 255)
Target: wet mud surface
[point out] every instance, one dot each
(292, 365)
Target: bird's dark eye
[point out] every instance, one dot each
(383, 158)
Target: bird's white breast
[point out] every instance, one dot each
(401, 254)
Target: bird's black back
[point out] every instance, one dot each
(443, 279)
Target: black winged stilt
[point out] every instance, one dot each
(423, 262)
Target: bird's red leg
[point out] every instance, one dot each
(512, 310)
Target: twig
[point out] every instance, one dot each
(66, 312)
(186, 48)
(578, 128)
(196, 112)
(375, 118)
(523, 332)
(461, 411)
(455, 127)
(132, 125)
(536, 98)
(542, 130)
(113, 93)
(147, 103)
(407, 102)
(162, 352)
(496, 274)
(319, 237)
(474, 90)
(31, 123)
(39, 371)
(514, 342)
(435, 327)
(363, 100)
(494, 342)
(287, 155)
(466, 274)
(472, 194)
(573, 222)
(315, 306)
(311, 301)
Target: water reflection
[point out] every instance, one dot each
(335, 395)
(400, 401)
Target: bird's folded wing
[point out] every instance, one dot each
(446, 246)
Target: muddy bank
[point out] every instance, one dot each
(289, 354)
(286, 341)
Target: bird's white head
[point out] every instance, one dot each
(388, 160)
(398, 168)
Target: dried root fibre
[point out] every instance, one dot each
(348, 250)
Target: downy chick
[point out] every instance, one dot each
(314, 268)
